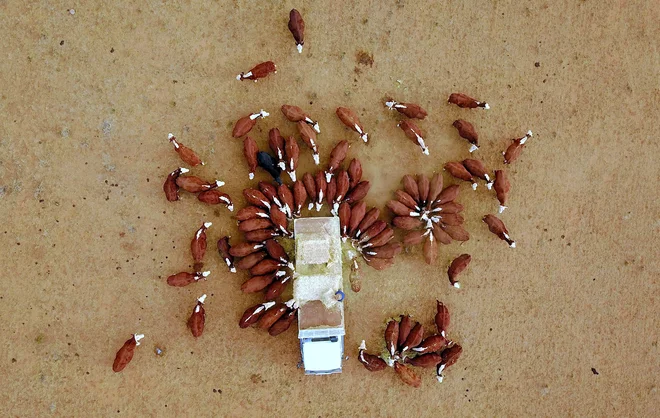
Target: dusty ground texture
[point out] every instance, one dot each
(87, 100)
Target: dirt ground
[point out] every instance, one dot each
(564, 325)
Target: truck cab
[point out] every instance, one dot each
(317, 288)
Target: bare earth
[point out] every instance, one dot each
(87, 100)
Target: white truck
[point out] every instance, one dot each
(317, 289)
